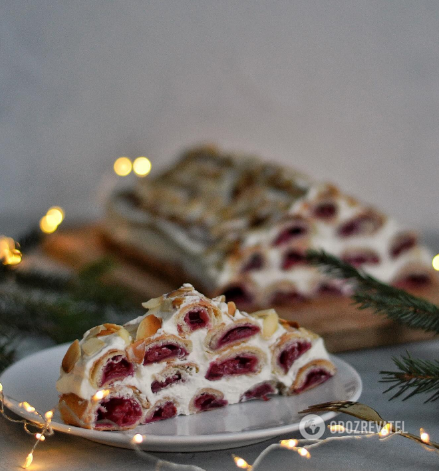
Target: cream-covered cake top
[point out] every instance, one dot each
(241, 227)
(187, 354)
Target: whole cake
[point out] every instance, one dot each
(238, 226)
(187, 354)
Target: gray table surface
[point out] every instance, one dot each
(62, 452)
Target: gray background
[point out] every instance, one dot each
(347, 91)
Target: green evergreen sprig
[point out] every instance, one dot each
(61, 307)
(7, 352)
(383, 299)
(414, 375)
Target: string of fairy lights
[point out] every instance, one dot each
(10, 254)
(42, 425)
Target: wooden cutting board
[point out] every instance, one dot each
(342, 325)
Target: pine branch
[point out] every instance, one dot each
(336, 268)
(38, 279)
(7, 351)
(414, 375)
(383, 299)
(59, 316)
(30, 240)
(58, 306)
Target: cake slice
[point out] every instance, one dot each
(238, 226)
(187, 354)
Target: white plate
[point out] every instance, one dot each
(33, 380)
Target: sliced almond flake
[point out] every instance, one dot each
(270, 324)
(72, 355)
(153, 303)
(95, 331)
(92, 345)
(263, 313)
(125, 335)
(148, 327)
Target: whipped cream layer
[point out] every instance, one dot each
(217, 355)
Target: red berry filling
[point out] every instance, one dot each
(260, 391)
(328, 289)
(291, 353)
(313, 378)
(166, 411)
(117, 410)
(403, 243)
(238, 333)
(239, 295)
(164, 352)
(157, 386)
(295, 231)
(197, 318)
(363, 224)
(208, 401)
(255, 262)
(280, 298)
(413, 281)
(116, 368)
(242, 364)
(361, 257)
(292, 258)
(325, 210)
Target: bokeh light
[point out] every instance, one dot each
(56, 215)
(53, 218)
(435, 262)
(9, 253)
(142, 166)
(123, 166)
(47, 225)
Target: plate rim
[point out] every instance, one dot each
(124, 437)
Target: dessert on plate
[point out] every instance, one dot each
(238, 226)
(187, 354)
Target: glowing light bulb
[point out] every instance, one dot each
(48, 415)
(9, 254)
(13, 258)
(28, 461)
(56, 215)
(241, 463)
(47, 225)
(27, 407)
(137, 439)
(435, 262)
(289, 443)
(425, 437)
(304, 452)
(142, 166)
(123, 166)
(101, 394)
(1, 387)
(385, 431)
(40, 437)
